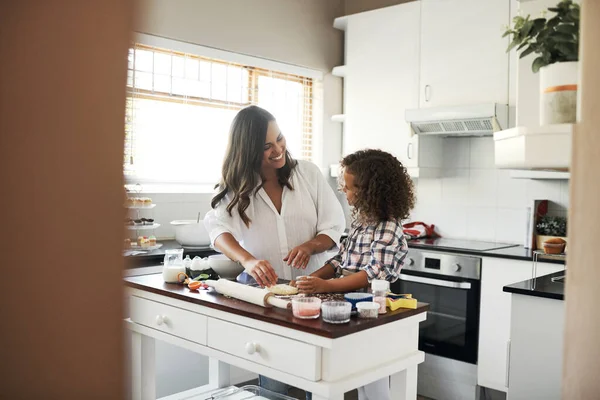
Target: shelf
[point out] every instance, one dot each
(338, 118)
(541, 253)
(341, 23)
(339, 71)
(142, 227)
(538, 147)
(151, 206)
(535, 174)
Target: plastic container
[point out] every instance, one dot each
(246, 392)
(336, 312)
(357, 297)
(368, 309)
(380, 288)
(306, 307)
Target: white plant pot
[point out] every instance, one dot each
(558, 93)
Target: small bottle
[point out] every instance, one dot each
(380, 288)
(187, 263)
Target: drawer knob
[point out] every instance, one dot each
(252, 348)
(160, 320)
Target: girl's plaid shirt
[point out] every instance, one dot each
(379, 249)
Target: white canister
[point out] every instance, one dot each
(170, 273)
(558, 93)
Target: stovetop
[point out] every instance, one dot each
(458, 244)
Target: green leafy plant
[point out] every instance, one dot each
(552, 226)
(554, 40)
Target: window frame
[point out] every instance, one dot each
(255, 66)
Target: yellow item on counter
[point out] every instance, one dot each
(401, 303)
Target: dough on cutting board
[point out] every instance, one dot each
(283, 289)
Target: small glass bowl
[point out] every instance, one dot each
(367, 309)
(306, 307)
(336, 312)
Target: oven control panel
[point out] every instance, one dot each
(440, 263)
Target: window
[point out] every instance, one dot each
(180, 107)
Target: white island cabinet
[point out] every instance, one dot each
(327, 360)
(495, 316)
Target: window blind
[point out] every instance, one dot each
(180, 106)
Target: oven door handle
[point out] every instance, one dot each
(436, 282)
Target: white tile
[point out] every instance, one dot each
(512, 193)
(451, 221)
(511, 225)
(564, 193)
(540, 189)
(455, 186)
(481, 223)
(483, 188)
(482, 152)
(456, 152)
(429, 191)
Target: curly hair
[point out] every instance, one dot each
(384, 189)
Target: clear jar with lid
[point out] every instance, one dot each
(380, 288)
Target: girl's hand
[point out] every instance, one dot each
(261, 271)
(312, 284)
(299, 256)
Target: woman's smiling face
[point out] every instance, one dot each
(274, 150)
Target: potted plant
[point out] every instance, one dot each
(555, 42)
(549, 227)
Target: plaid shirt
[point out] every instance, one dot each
(379, 250)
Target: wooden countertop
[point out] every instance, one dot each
(155, 284)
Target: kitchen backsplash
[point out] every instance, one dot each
(474, 200)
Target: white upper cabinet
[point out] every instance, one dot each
(381, 79)
(463, 56)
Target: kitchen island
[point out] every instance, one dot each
(327, 360)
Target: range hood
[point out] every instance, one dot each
(469, 120)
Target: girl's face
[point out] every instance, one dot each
(274, 150)
(349, 188)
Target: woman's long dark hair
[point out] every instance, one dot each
(243, 159)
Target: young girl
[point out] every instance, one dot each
(380, 191)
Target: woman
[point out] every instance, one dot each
(274, 215)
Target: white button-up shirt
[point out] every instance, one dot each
(307, 211)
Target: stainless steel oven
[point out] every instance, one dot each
(450, 283)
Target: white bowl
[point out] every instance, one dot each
(189, 232)
(226, 268)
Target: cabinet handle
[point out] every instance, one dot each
(252, 348)
(409, 151)
(427, 93)
(160, 320)
(506, 378)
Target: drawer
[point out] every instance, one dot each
(175, 321)
(277, 352)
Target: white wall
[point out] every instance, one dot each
(474, 200)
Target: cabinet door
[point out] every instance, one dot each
(494, 320)
(382, 70)
(463, 56)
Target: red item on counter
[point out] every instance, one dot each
(417, 230)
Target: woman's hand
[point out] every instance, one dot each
(299, 256)
(312, 284)
(261, 271)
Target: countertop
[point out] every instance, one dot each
(512, 253)
(542, 286)
(210, 298)
(155, 257)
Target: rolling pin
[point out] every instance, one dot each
(254, 295)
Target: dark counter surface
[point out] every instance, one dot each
(155, 284)
(512, 253)
(156, 257)
(542, 286)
